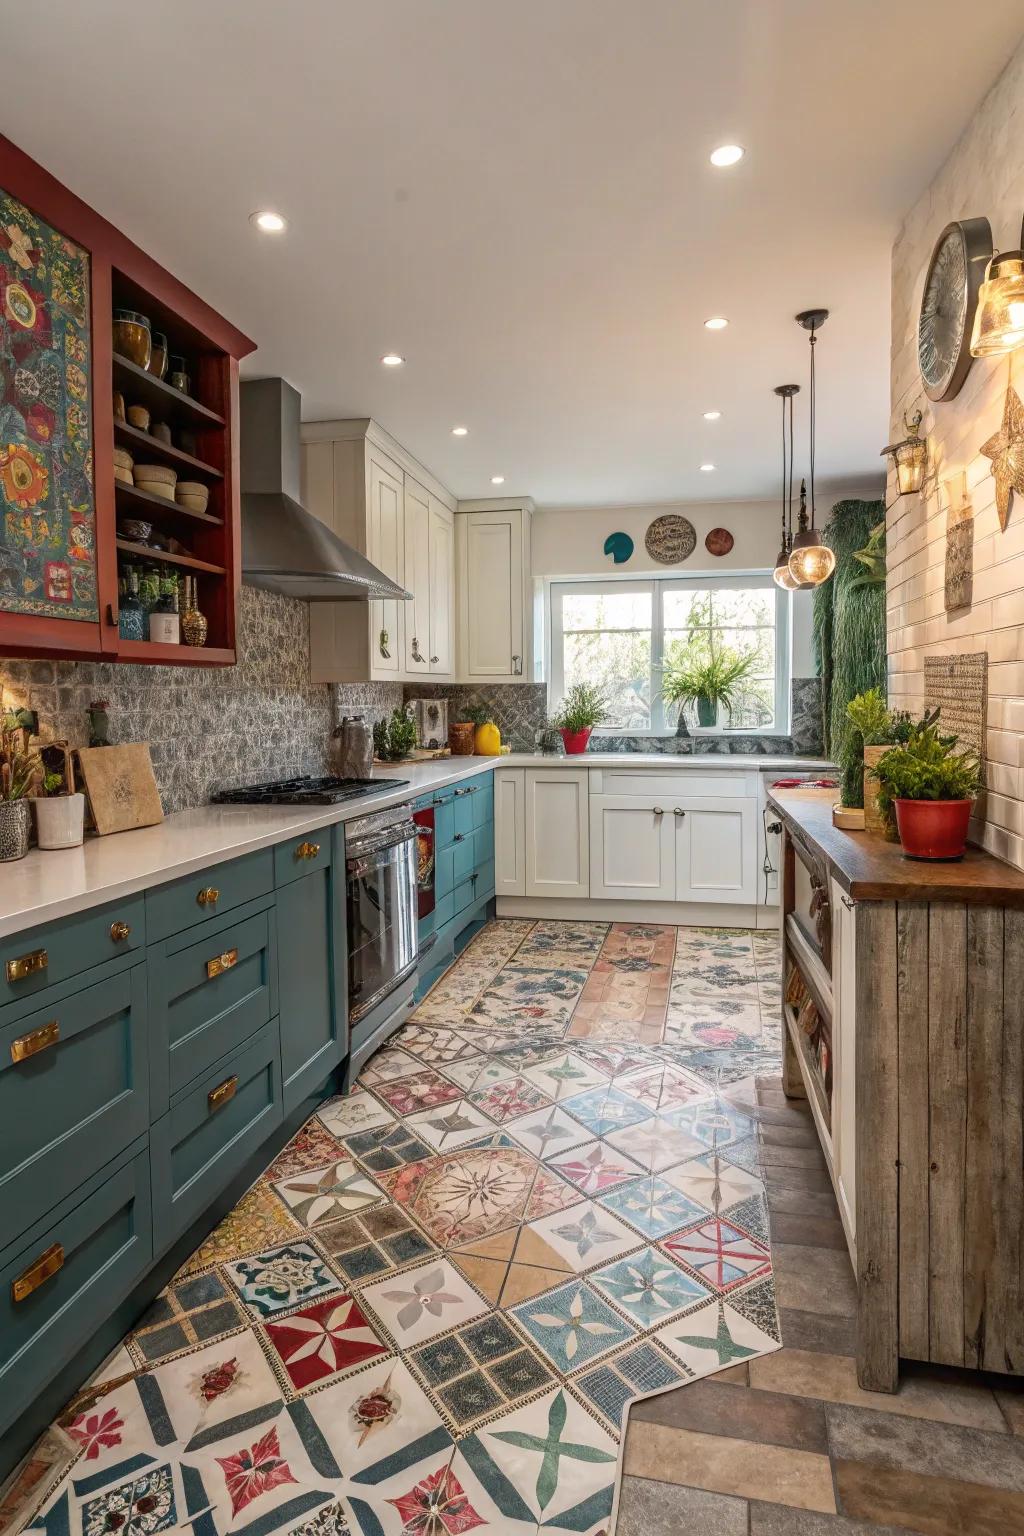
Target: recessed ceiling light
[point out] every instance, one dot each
(712, 415)
(271, 223)
(459, 431)
(497, 479)
(707, 469)
(716, 323)
(726, 154)
(392, 360)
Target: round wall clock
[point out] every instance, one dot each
(670, 539)
(955, 273)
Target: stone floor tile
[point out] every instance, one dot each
(815, 1279)
(833, 1379)
(809, 1231)
(790, 1131)
(933, 1506)
(774, 1520)
(741, 1467)
(783, 1155)
(1012, 1404)
(716, 1408)
(917, 1445)
(811, 1330)
(796, 1201)
(647, 1508)
(787, 1180)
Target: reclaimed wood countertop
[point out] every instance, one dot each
(870, 869)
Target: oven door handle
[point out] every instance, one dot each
(379, 842)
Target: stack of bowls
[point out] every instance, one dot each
(193, 495)
(123, 466)
(157, 479)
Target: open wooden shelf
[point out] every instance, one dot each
(162, 453)
(812, 1080)
(810, 967)
(140, 387)
(176, 655)
(188, 562)
(133, 502)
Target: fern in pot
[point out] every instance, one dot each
(708, 681)
(18, 768)
(931, 787)
(582, 708)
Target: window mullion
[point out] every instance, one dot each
(657, 657)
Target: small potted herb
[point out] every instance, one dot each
(875, 729)
(18, 768)
(394, 738)
(707, 681)
(931, 787)
(60, 814)
(583, 707)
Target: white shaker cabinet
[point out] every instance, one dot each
(715, 849)
(557, 832)
(632, 851)
(510, 832)
(493, 562)
(442, 589)
(416, 618)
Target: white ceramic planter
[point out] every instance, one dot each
(60, 820)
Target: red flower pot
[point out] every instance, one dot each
(933, 829)
(575, 741)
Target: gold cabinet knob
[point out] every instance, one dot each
(120, 930)
(208, 896)
(307, 850)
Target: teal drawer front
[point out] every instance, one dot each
(74, 1091)
(210, 1131)
(102, 1237)
(203, 897)
(485, 881)
(463, 855)
(207, 994)
(30, 962)
(444, 872)
(311, 990)
(483, 845)
(464, 810)
(483, 802)
(444, 910)
(444, 820)
(299, 855)
(465, 895)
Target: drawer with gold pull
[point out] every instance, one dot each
(210, 990)
(212, 1128)
(74, 1090)
(62, 1277)
(210, 894)
(59, 952)
(300, 856)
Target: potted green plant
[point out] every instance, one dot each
(18, 768)
(931, 787)
(583, 707)
(395, 737)
(60, 814)
(707, 680)
(875, 728)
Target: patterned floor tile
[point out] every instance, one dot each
(546, 1131)
(322, 1340)
(564, 1074)
(594, 1166)
(572, 1325)
(656, 1144)
(359, 1112)
(651, 1206)
(508, 1099)
(324, 1194)
(607, 1109)
(424, 1089)
(713, 1182)
(420, 1303)
(648, 1287)
(387, 1146)
(584, 1235)
(281, 1278)
(450, 1125)
(188, 1313)
(723, 1255)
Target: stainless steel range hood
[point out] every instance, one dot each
(284, 547)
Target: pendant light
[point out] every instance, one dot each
(810, 561)
(782, 575)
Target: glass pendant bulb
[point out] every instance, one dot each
(999, 317)
(810, 562)
(782, 575)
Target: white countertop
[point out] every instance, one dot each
(48, 885)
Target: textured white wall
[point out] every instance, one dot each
(984, 175)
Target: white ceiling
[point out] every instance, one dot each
(516, 195)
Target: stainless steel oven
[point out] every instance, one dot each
(380, 878)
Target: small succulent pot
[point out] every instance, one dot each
(60, 821)
(933, 829)
(575, 742)
(15, 826)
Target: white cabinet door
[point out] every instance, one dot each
(716, 850)
(416, 613)
(557, 832)
(844, 1056)
(509, 832)
(386, 550)
(442, 587)
(491, 593)
(632, 853)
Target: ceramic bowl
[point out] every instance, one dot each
(133, 528)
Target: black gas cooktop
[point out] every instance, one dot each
(304, 791)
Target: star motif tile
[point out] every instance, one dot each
(572, 1325)
(594, 1166)
(712, 1122)
(564, 1075)
(656, 1144)
(723, 1255)
(508, 1099)
(651, 1206)
(606, 1109)
(420, 1303)
(713, 1336)
(322, 1340)
(662, 1088)
(649, 1287)
(323, 1194)
(713, 1182)
(547, 1131)
(450, 1125)
(584, 1235)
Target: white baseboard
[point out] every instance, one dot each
(683, 913)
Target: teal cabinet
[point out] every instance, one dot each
(74, 1091)
(204, 897)
(300, 855)
(312, 980)
(65, 952)
(463, 870)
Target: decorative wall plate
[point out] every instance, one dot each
(670, 539)
(619, 546)
(719, 541)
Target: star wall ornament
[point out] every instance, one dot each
(1006, 450)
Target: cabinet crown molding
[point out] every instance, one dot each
(358, 428)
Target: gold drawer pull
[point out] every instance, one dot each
(120, 931)
(307, 850)
(208, 896)
(222, 962)
(222, 1093)
(30, 1045)
(27, 965)
(32, 1278)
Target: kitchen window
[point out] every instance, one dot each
(620, 635)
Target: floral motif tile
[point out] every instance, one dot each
(585, 1234)
(360, 1111)
(322, 1340)
(649, 1287)
(565, 1074)
(606, 1109)
(508, 1098)
(531, 998)
(282, 1278)
(423, 1302)
(594, 1167)
(423, 1090)
(652, 1206)
(323, 1194)
(390, 1064)
(572, 1325)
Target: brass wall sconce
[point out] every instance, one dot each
(999, 317)
(909, 456)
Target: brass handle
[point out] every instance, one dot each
(41, 1269)
(31, 1044)
(678, 812)
(208, 896)
(120, 930)
(222, 1093)
(658, 811)
(220, 963)
(307, 850)
(417, 654)
(384, 642)
(27, 965)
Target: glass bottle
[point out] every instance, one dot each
(164, 623)
(131, 618)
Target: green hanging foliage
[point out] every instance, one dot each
(849, 633)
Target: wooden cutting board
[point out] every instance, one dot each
(121, 787)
